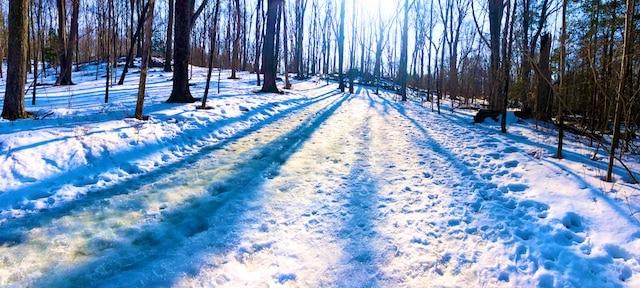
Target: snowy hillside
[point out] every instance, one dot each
(313, 188)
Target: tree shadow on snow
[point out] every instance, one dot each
(520, 226)
(158, 254)
(92, 175)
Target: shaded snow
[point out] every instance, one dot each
(313, 188)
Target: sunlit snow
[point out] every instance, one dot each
(313, 188)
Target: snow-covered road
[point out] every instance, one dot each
(338, 191)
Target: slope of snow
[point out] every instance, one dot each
(313, 188)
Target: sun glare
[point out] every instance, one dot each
(371, 8)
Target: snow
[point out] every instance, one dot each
(313, 188)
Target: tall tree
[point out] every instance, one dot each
(341, 48)
(285, 40)
(146, 56)
(168, 53)
(402, 71)
(269, 49)
(214, 51)
(507, 50)
(380, 41)
(67, 44)
(236, 39)
(623, 82)
(561, 90)
(184, 20)
(259, 31)
(529, 44)
(134, 40)
(301, 7)
(496, 9)
(13, 107)
(453, 13)
(544, 104)
(2, 33)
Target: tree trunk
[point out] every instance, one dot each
(341, 48)
(402, 71)
(63, 78)
(507, 48)
(285, 40)
(71, 44)
(13, 107)
(269, 56)
(544, 107)
(146, 56)
(259, 31)
(496, 9)
(2, 31)
(623, 83)
(561, 90)
(34, 40)
(301, 7)
(134, 40)
(168, 55)
(214, 36)
(182, 43)
(236, 41)
(378, 64)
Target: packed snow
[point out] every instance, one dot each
(312, 188)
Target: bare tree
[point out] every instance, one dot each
(168, 54)
(13, 107)
(341, 48)
(402, 70)
(623, 82)
(146, 56)
(283, 12)
(185, 17)
(561, 91)
(66, 43)
(213, 51)
(259, 32)
(496, 9)
(301, 7)
(134, 40)
(236, 40)
(2, 35)
(452, 14)
(529, 45)
(269, 55)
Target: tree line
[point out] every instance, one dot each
(500, 53)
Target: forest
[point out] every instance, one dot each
(573, 63)
(319, 143)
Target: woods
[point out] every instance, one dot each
(496, 55)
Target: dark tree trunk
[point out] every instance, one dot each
(341, 48)
(496, 9)
(285, 40)
(624, 83)
(236, 42)
(269, 56)
(66, 46)
(13, 107)
(168, 56)
(256, 65)
(2, 29)
(544, 103)
(182, 53)
(301, 6)
(402, 73)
